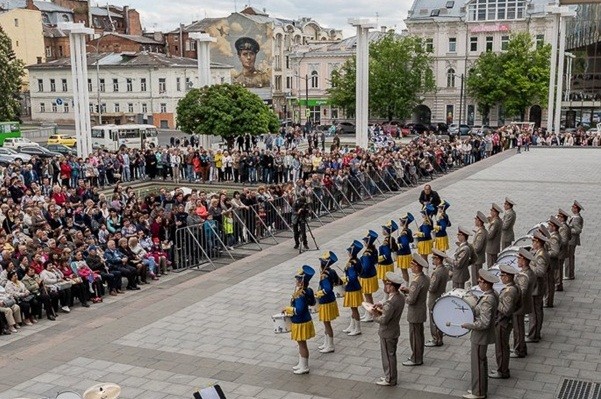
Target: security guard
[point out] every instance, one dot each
(553, 247)
(387, 249)
(483, 334)
(509, 302)
(525, 280)
(405, 239)
(424, 235)
(352, 289)
(565, 233)
(438, 286)
(328, 307)
(417, 295)
(507, 235)
(493, 239)
(540, 267)
(479, 245)
(460, 264)
(442, 222)
(576, 224)
(368, 276)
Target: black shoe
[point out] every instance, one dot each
(52, 318)
(306, 247)
(296, 246)
(136, 288)
(85, 305)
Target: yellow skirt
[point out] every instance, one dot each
(424, 247)
(369, 285)
(382, 269)
(328, 311)
(441, 243)
(302, 331)
(352, 299)
(403, 261)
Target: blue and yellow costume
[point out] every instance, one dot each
(352, 295)
(302, 328)
(424, 235)
(386, 250)
(441, 240)
(369, 258)
(328, 308)
(403, 259)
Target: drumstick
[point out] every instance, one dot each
(449, 324)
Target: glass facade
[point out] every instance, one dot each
(496, 10)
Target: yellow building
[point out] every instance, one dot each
(24, 28)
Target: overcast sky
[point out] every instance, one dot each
(168, 14)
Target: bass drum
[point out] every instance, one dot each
(524, 241)
(508, 258)
(536, 227)
(452, 310)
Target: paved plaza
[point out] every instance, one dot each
(194, 330)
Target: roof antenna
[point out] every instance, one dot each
(235, 6)
(377, 18)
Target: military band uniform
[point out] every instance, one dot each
(403, 260)
(507, 234)
(442, 221)
(493, 241)
(461, 265)
(565, 234)
(385, 261)
(479, 246)
(540, 267)
(352, 289)
(526, 282)
(438, 286)
(509, 302)
(328, 307)
(417, 315)
(368, 276)
(424, 238)
(553, 248)
(302, 328)
(576, 224)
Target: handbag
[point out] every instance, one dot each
(64, 285)
(8, 302)
(27, 298)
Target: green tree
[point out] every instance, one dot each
(399, 72)
(11, 74)
(516, 78)
(225, 110)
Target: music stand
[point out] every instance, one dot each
(213, 392)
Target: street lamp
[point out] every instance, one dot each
(98, 79)
(306, 79)
(461, 95)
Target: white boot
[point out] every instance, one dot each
(329, 348)
(325, 343)
(356, 330)
(367, 318)
(298, 364)
(304, 366)
(350, 326)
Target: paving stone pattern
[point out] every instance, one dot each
(217, 327)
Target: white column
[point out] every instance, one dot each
(553, 72)
(203, 58)
(560, 73)
(363, 26)
(79, 82)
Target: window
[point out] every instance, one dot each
(278, 62)
(48, 52)
(162, 85)
(40, 85)
(115, 84)
(60, 51)
(435, 13)
(143, 84)
(288, 82)
(16, 22)
(66, 107)
(163, 108)
(103, 108)
(504, 43)
(64, 84)
(129, 84)
(144, 108)
(287, 62)
(54, 108)
(178, 84)
(314, 80)
(117, 107)
(473, 43)
(89, 84)
(489, 41)
(45, 19)
(42, 107)
(334, 113)
(540, 41)
(452, 44)
(495, 10)
(188, 84)
(92, 110)
(52, 85)
(451, 77)
(450, 4)
(130, 108)
(102, 85)
(278, 83)
(429, 45)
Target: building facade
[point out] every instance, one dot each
(456, 33)
(124, 88)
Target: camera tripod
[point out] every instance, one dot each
(301, 245)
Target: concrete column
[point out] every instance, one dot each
(560, 73)
(79, 81)
(203, 58)
(363, 26)
(553, 72)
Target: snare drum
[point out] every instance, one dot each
(339, 291)
(537, 226)
(453, 308)
(281, 323)
(525, 241)
(68, 395)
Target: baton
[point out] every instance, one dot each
(449, 324)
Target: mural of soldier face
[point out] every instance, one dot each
(247, 59)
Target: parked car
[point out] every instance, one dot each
(5, 160)
(39, 151)
(9, 153)
(439, 127)
(455, 129)
(480, 130)
(346, 127)
(61, 148)
(417, 128)
(18, 142)
(64, 139)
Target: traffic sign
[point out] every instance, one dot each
(59, 101)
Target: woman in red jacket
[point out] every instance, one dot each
(65, 172)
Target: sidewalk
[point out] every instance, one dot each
(195, 330)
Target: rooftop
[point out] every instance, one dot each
(44, 6)
(440, 10)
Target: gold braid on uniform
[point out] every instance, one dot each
(298, 294)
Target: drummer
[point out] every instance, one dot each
(553, 247)
(479, 245)
(405, 239)
(566, 235)
(352, 289)
(424, 235)
(576, 225)
(441, 222)
(368, 276)
(417, 295)
(438, 286)
(389, 246)
(460, 263)
(328, 307)
(483, 334)
(540, 267)
(525, 280)
(507, 235)
(493, 238)
(302, 328)
(509, 301)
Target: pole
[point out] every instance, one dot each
(98, 87)
(460, 104)
(552, 72)
(308, 115)
(560, 72)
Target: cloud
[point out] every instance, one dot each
(167, 15)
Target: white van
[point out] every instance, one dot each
(18, 142)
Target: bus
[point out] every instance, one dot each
(114, 137)
(9, 129)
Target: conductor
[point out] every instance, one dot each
(299, 222)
